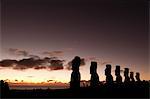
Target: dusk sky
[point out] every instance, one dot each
(113, 32)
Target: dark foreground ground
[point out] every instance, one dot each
(105, 91)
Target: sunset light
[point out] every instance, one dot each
(74, 48)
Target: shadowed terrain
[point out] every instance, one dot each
(106, 91)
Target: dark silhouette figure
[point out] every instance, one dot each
(132, 77)
(126, 75)
(109, 78)
(118, 76)
(4, 89)
(94, 82)
(137, 76)
(75, 76)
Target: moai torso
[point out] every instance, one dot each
(137, 76)
(75, 75)
(94, 82)
(126, 75)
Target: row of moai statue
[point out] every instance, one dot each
(75, 75)
(109, 78)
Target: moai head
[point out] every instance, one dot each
(93, 67)
(137, 76)
(117, 71)
(108, 70)
(76, 63)
(126, 72)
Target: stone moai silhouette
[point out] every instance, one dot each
(126, 75)
(137, 76)
(118, 76)
(132, 77)
(94, 82)
(75, 75)
(109, 78)
(4, 88)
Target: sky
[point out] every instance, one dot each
(106, 31)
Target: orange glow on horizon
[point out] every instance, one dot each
(63, 76)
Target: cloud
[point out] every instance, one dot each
(91, 58)
(20, 67)
(104, 63)
(98, 60)
(50, 80)
(18, 52)
(56, 64)
(34, 61)
(30, 76)
(39, 67)
(30, 62)
(48, 59)
(34, 56)
(53, 53)
(69, 64)
(37, 64)
(8, 63)
(56, 67)
(57, 52)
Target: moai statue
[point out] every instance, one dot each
(109, 78)
(4, 88)
(75, 75)
(132, 77)
(126, 75)
(94, 82)
(118, 76)
(137, 76)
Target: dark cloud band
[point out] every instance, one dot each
(45, 63)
